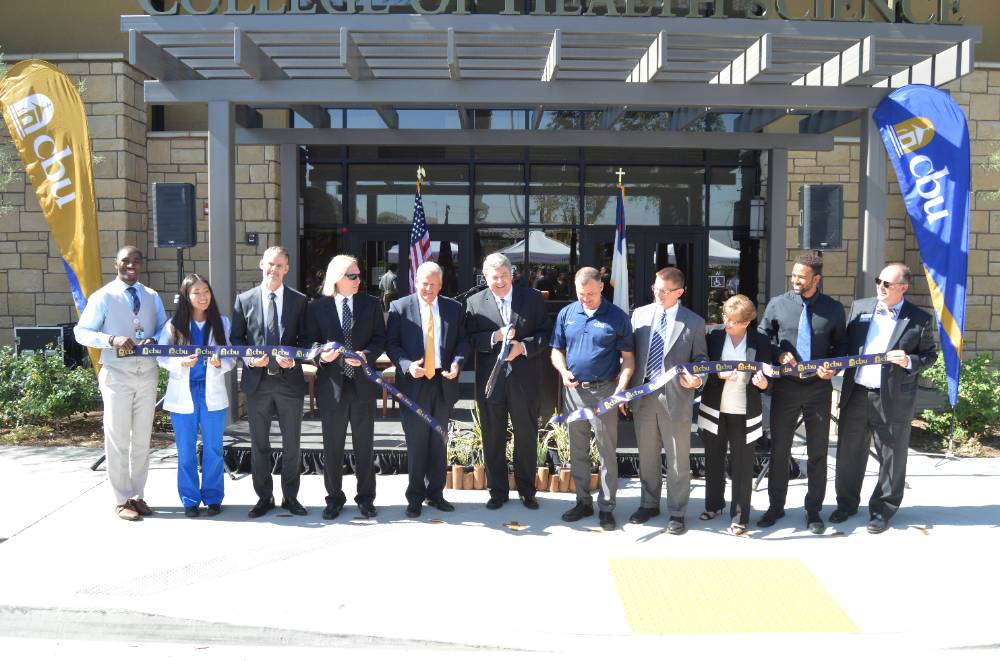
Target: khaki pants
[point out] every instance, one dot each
(129, 401)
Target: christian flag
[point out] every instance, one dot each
(420, 240)
(46, 120)
(927, 138)
(619, 260)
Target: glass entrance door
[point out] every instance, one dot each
(649, 251)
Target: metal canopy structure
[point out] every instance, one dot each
(831, 73)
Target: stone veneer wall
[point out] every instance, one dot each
(182, 157)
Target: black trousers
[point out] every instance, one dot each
(425, 449)
(732, 433)
(522, 406)
(812, 399)
(335, 415)
(274, 395)
(863, 419)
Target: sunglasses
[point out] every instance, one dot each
(352, 276)
(888, 285)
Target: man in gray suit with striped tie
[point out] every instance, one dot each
(666, 334)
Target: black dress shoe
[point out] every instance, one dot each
(367, 510)
(213, 510)
(770, 517)
(578, 511)
(643, 514)
(263, 506)
(530, 502)
(441, 504)
(675, 526)
(839, 516)
(413, 511)
(191, 512)
(495, 503)
(607, 520)
(815, 523)
(877, 524)
(293, 506)
(332, 511)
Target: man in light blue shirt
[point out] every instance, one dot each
(121, 315)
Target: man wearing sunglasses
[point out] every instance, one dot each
(354, 319)
(877, 401)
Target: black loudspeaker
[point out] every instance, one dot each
(821, 216)
(173, 215)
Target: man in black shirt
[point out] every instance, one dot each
(802, 324)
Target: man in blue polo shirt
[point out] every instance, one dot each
(592, 349)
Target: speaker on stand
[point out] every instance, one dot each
(174, 221)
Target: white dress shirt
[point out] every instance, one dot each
(437, 329)
(734, 393)
(339, 300)
(879, 332)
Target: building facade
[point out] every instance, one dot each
(521, 138)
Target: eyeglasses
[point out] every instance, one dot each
(352, 276)
(658, 290)
(879, 282)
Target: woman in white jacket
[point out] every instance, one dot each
(196, 394)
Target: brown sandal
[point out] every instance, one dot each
(708, 516)
(737, 529)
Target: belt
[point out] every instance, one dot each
(866, 388)
(593, 384)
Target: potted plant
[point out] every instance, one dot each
(542, 462)
(557, 436)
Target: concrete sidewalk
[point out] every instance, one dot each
(76, 580)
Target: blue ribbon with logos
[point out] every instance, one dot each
(280, 351)
(804, 368)
(927, 138)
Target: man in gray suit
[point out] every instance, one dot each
(877, 401)
(666, 334)
(272, 314)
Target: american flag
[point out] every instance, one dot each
(420, 240)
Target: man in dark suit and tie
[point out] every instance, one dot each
(428, 346)
(519, 313)
(345, 393)
(272, 314)
(666, 334)
(877, 401)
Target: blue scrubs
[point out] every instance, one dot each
(186, 425)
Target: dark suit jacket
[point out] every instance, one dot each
(248, 329)
(531, 328)
(406, 343)
(914, 334)
(367, 337)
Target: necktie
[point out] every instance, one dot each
(134, 295)
(504, 314)
(803, 342)
(347, 325)
(654, 366)
(273, 332)
(430, 345)
(883, 309)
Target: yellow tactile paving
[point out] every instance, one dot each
(691, 596)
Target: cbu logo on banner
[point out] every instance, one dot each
(927, 138)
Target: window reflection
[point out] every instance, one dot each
(316, 249)
(499, 194)
(322, 194)
(729, 199)
(555, 194)
(510, 242)
(654, 195)
(732, 269)
(550, 259)
(384, 194)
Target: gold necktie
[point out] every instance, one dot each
(430, 345)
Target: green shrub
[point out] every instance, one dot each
(978, 407)
(36, 388)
